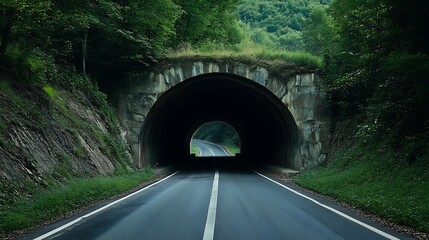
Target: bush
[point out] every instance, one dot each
(33, 67)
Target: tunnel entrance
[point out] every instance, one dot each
(267, 129)
(215, 138)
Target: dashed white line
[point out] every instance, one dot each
(211, 214)
(371, 228)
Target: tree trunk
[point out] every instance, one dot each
(5, 37)
(84, 45)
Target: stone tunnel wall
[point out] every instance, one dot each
(302, 94)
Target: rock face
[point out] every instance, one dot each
(300, 91)
(47, 139)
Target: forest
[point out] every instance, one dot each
(375, 67)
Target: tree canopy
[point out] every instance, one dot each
(277, 23)
(119, 34)
(377, 65)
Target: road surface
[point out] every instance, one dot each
(218, 202)
(207, 149)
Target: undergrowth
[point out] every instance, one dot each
(377, 178)
(248, 52)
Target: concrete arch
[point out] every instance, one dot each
(267, 128)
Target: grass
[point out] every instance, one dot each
(231, 149)
(194, 150)
(55, 97)
(253, 53)
(56, 201)
(373, 177)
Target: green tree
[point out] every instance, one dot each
(379, 66)
(22, 19)
(208, 21)
(282, 20)
(318, 34)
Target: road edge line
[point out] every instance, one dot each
(369, 227)
(211, 213)
(217, 145)
(71, 223)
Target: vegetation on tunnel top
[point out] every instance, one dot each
(249, 52)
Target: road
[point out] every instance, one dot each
(219, 202)
(207, 149)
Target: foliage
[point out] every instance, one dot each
(376, 69)
(118, 34)
(278, 24)
(194, 150)
(208, 21)
(50, 91)
(33, 66)
(373, 176)
(59, 200)
(116, 150)
(249, 51)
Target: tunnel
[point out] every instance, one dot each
(267, 129)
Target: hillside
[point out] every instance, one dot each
(55, 146)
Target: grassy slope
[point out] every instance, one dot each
(58, 200)
(231, 148)
(373, 177)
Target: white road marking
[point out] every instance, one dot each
(211, 214)
(216, 145)
(59, 229)
(371, 228)
(211, 152)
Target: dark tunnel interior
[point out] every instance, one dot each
(267, 130)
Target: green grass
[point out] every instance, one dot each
(374, 178)
(50, 91)
(57, 201)
(194, 150)
(231, 149)
(253, 53)
(55, 97)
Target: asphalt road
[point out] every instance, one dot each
(207, 149)
(219, 201)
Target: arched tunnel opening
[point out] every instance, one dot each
(224, 136)
(267, 129)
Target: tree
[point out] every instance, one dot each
(317, 33)
(379, 65)
(21, 18)
(205, 21)
(282, 20)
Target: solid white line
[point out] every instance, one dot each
(99, 210)
(211, 152)
(386, 235)
(211, 214)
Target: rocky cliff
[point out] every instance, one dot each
(49, 135)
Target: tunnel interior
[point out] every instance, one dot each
(267, 130)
